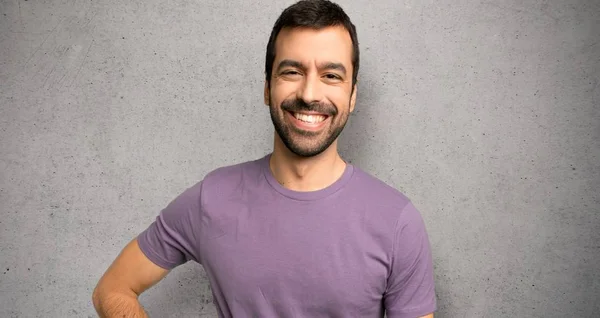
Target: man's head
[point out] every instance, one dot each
(311, 72)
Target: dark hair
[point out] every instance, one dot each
(314, 14)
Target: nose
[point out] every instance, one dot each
(310, 90)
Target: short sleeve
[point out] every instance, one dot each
(410, 291)
(171, 240)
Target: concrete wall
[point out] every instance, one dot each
(485, 113)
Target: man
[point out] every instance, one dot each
(299, 232)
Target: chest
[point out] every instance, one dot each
(311, 257)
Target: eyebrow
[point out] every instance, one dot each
(327, 66)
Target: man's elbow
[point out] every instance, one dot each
(96, 298)
(101, 297)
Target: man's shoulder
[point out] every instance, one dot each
(224, 179)
(233, 171)
(377, 191)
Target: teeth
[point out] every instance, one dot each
(313, 119)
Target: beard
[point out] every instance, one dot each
(307, 143)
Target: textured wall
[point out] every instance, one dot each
(485, 113)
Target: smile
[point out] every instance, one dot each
(310, 118)
(307, 121)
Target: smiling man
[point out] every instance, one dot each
(299, 232)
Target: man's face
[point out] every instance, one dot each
(311, 93)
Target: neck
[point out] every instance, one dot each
(306, 174)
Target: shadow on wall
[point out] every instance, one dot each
(352, 141)
(185, 292)
(442, 292)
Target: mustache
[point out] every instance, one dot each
(297, 105)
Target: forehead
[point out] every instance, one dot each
(330, 44)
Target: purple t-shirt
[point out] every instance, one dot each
(357, 248)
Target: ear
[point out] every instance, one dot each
(353, 98)
(267, 94)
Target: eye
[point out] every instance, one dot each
(332, 77)
(290, 72)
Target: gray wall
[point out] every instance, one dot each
(485, 113)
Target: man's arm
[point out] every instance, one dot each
(410, 291)
(428, 316)
(167, 243)
(132, 273)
